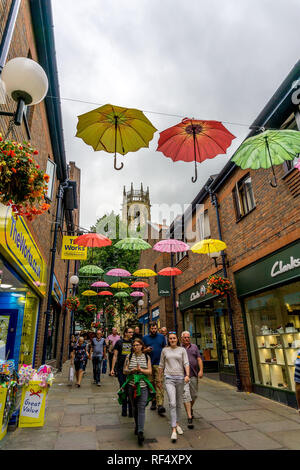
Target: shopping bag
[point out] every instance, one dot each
(104, 366)
(71, 374)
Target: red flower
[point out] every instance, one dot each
(35, 152)
(14, 170)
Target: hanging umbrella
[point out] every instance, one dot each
(115, 130)
(209, 246)
(137, 294)
(144, 273)
(268, 149)
(100, 284)
(118, 272)
(92, 240)
(171, 245)
(194, 140)
(91, 269)
(89, 293)
(105, 292)
(169, 272)
(121, 294)
(132, 244)
(119, 285)
(139, 285)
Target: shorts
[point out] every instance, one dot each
(190, 391)
(79, 365)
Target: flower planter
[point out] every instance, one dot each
(218, 285)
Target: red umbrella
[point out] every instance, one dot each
(194, 140)
(92, 240)
(139, 285)
(105, 292)
(169, 272)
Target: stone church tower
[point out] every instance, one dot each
(136, 210)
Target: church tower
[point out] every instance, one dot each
(136, 209)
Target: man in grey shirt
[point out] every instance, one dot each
(98, 351)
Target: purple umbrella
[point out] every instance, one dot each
(118, 272)
(137, 294)
(171, 246)
(100, 284)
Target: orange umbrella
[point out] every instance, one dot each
(169, 271)
(92, 240)
(139, 285)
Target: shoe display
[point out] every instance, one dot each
(174, 436)
(141, 438)
(190, 423)
(161, 409)
(179, 429)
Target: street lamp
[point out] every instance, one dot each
(217, 255)
(74, 280)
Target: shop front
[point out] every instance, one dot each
(54, 321)
(144, 320)
(23, 284)
(269, 290)
(205, 316)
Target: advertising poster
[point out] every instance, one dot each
(33, 405)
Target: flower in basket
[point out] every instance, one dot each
(90, 308)
(23, 185)
(72, 303)
(218, 285)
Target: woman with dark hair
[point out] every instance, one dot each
(174, 364)
(138, 367)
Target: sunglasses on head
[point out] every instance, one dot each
(172, 333)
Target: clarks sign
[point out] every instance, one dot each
(280, 268)
(199, 293)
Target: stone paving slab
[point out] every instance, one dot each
(85, 440)
(288, 439)
(210, 439)
(272, 426)
(254, 440)
(230, 425)
(100, 419)
(256, 416)
(214, 414)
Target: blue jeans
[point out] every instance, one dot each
(97, 362)
(138, 406)
(122, 378)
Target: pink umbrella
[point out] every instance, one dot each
(137, 294)
(100, 284)
(118, 272)
(171, 245)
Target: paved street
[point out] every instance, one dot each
(89, 418)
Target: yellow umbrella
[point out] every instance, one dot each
(144, 273)
(89, 293)
(208, 246)
(115, 129)
(119, 285)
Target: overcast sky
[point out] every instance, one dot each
(220, 60)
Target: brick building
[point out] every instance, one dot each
(260, 225)
(37, 327)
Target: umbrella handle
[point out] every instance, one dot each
(115, 164)
(194, 178)
(274, 182)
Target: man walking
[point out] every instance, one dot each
(155, 342)
(196, 371)
(98, 351)
(110, 343)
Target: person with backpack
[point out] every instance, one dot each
(137, 367)
(122, 349)
(98, 353)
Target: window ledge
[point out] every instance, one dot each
(288, 173)
(243, 216)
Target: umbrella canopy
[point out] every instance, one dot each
(118, 272)
(105, 292)
(169, 271)
(100, 284)
(121, 294)
(137, 294)
(119, 285)
(132, 244)
(267, 149)
(208, 246)
(91, 269)
(171, 245)
(144, 273)
(139, 285)
(115, 130)
(194, 140)
(92, 240)
(89, 293)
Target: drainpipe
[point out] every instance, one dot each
(214, 201)
(64, 319)
(8, 32)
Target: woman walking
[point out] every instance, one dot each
(138, 366)
(174, 364)
(79, 357)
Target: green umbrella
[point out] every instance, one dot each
(121, 294)
(272, 147)
(132, 244)
(91, 269)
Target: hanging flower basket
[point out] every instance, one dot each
(95, 324)
(129, 308)
(23, 185)
(110, 310)
(72, 303)
(90, 308)
(218, 285)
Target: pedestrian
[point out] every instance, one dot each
(174, 364)
(138, 367)
(297, 379)
(164, 332)
(122, 349)
(79, 357)
(137, 333)
(72, 343)
(110, 344)
(196, 372)
(98, 354)
(155, 342)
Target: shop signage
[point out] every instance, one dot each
(71, 251)
(144, 318)
(164, 286)
(282, 266)
(194, 296)
(155, 313)
(18, 245)
(56, 291)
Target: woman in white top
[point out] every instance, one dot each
(174, 364)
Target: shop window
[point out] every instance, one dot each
(50, 170)
(180, 255)
(291, 123)
(243, 197)
(273, 320)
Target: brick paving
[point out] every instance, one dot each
(89, 418)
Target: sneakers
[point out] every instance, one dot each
(99, 385)
(190, 423)
(161, 409)
(153, 406)
(141, 438)
(179, 430)
(174, 436)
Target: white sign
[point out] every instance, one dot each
(198, 293)
(280, 268)
(32, 404)
(155, 313)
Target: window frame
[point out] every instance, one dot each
(240, 198)
(51, 180)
